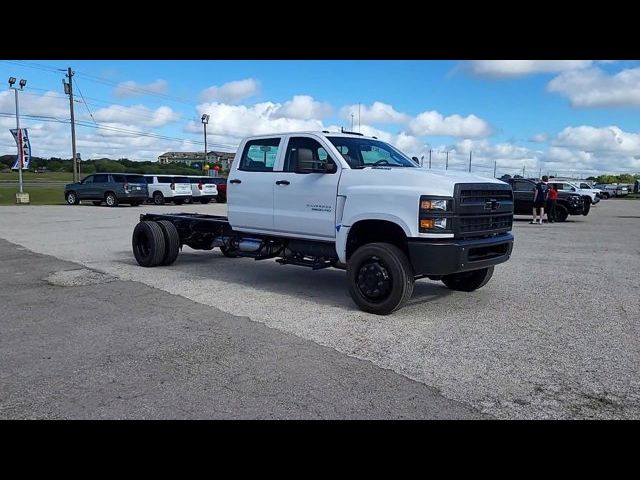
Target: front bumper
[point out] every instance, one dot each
(443, 257)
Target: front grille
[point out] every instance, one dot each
(484, 223)
(483, 209)
(476, 196)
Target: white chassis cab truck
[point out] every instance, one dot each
(343, 200)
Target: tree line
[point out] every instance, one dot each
(122, 165)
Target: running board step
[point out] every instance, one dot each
(314, 264)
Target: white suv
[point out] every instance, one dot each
(203, 189)
(168, 188)
(564, 186)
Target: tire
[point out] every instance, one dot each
(561, 213)
(605, 196)
(158, 198)
(97, 203)
(229, 252)
(188, 201)
(178, 202)
(72, 198)
(204, 201)
(387, 265)
(148, 244)
(468, 281)
(587, 206)
(171, 242)
(111, 200)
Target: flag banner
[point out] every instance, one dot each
(24, 148)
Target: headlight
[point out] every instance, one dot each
(435, 205)
(435, 215)
(433, 223)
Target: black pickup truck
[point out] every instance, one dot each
(567, 203)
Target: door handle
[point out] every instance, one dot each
(235, 180)
(283, 182)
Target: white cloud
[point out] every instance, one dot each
(134, 89)
(539, 138)
(378, 112)
(519, 68)
(303, 107)
(236, 121)
(606, 139)
(137, 115)
(434, 123)
(232, 92)
(595, 88)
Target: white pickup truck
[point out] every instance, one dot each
(342, 200)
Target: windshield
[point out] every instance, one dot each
(366, 152)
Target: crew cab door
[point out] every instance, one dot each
(523, 192)
(251, 183)
(306, 190)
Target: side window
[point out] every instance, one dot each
(584, 185)
(165, 180)
(306, 153)
(118, 179)
(519, 186)
(89, 179)
(102, 178)
(260, 155)
(149, 180)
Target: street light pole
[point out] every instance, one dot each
(205, 121)
(19, 147)
(12, 81)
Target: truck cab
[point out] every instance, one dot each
(340, 191)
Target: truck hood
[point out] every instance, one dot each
(423, 181)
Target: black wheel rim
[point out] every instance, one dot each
(157, 199)
(374, 280)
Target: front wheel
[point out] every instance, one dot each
(380, 278)
(72, 198)
(587, 206)
(158, 198)
(468, 281)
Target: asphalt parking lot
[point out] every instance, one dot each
(553, 335)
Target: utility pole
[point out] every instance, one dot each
(523, 167)
(352, 122)
(359, 117)
(68, 89)
(429, 159)
(469, 161)
(495, 166)
(446, 165)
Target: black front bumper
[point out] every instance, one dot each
(442, 257)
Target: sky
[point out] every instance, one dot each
(563, 117)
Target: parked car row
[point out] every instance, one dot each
(134, 189)
(568, 202)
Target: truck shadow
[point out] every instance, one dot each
(323, 287)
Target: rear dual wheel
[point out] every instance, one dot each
(155, 243)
